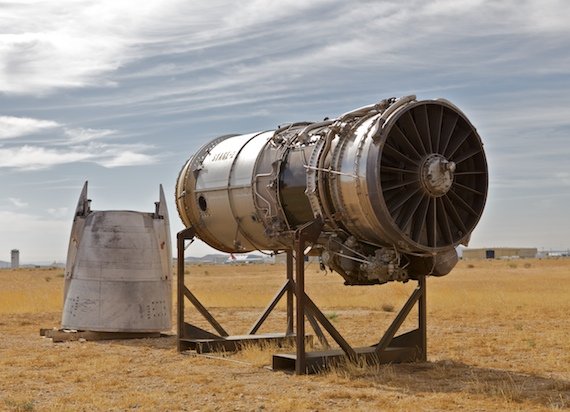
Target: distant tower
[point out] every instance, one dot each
(15, 258)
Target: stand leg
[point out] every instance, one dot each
(422, 319)
(300, 364)
(290, 293)
(180, 238)
(309, 232)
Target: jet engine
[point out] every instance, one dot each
(397, 185)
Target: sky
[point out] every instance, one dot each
(121, 93)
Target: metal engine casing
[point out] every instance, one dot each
(398, 186)
(117, 276)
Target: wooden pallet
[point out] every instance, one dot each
(66, 335)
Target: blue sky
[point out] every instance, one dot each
(122, 93)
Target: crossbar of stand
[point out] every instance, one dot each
(235, 343)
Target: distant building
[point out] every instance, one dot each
(500, 253)
(236, 259)
(557, 253)
(210, 259)
(15, 259)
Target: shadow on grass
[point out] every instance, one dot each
(448, 376)
(443, 376)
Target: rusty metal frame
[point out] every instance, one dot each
(198, 339)
(407, 347)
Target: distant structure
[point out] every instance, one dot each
(210, 259)
(246, 259)
(500, 253)
(15, 258)
(553, 253)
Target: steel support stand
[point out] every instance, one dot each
(407, 347)
(195, 338)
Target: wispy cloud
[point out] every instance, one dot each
(36, 157)
(46, 46)
(77, 135)
(17, 202)
(200, 58)
(65, 145)
(59, 212)
(206, 57)
(128, 158)
(12, 127)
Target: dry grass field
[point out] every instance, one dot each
(498, 339)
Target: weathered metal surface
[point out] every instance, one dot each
(398, 185)
(118, 271)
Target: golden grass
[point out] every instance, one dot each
(497, 340)
(31, 290)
